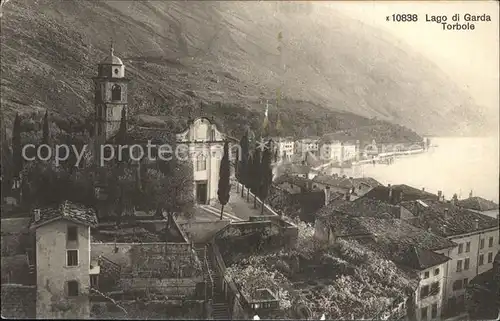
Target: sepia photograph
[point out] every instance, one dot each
(250, 160)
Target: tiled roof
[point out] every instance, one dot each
(408, 194)
(396, 239)
(346, 182)
(143, 134)
(455, 222)
(295, 180)
(366, 180)
(67, 210)
(478, 204)
(361, 207)
(421, 259)
(295, 169)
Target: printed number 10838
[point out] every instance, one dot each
(402, 17)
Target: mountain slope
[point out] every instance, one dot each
(181, 53)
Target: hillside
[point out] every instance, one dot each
(179, 54)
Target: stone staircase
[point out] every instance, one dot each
(201, 252)
(220, 306)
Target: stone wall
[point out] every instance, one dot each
(168, 260)
(149, 310)
(181, 287)
(18, 301)
(201, 232)
(244, 238)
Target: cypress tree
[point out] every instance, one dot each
(224, 173)
(243, 166)
(256, 176)
(249, 175)
(266, 174)
(17, 158)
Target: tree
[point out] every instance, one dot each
(249, 175)
(224, 185)
(17, 157)
(266, 175)
(243, 166)
(256, 176)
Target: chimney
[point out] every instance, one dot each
(401, 196)
(454, 199)
(440, 195)
(390, 192)
(348, 195)
(470, 194)
(327, 195)
(36, 213)
(476, 224)
(423, 189)
(446, 213)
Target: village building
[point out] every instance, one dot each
(412, 248)
(337, 151)
(355, 187)
(476, 236)
(284, 148)
(307, 145)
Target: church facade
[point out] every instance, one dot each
(205, 144)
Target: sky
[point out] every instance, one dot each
(470, 57)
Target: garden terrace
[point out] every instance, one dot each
(347, 277)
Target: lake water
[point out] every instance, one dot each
(456, 165)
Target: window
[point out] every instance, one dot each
(423, 313)
(436, 272)
(466, 264)
(457, 285)
(459, 265)
(490, 257)
(434, 288)
(434, 311)
(72, 288)
(72, 233)
(466, 281)
(481, 259)
(467, 247)
(72, 257)
(201, 163)
(116, 92)
(424, 291)
(426, 274)
(481, 244)
(460, 248)
(94, 281)
(490, 242)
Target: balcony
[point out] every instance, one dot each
(263, 300)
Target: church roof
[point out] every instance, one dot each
(111, 59)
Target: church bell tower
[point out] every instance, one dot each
(111, 89)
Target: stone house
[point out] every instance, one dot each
(476, 236)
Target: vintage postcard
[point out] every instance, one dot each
(224, 160)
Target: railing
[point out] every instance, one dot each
(231, 292)
(109, 265)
